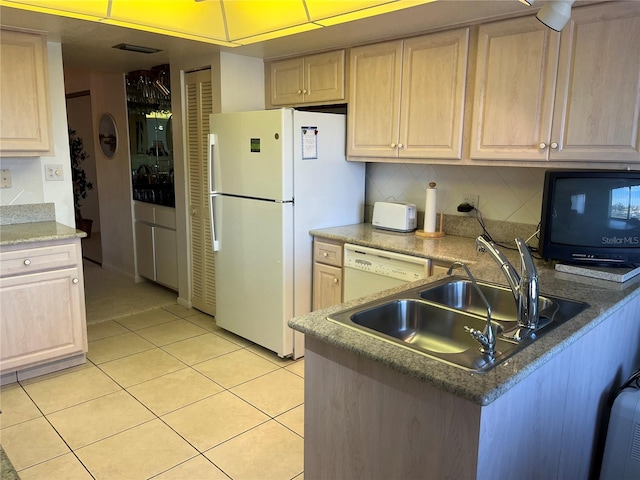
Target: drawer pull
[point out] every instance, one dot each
(27, 262)
(75, 281)
(325, 254)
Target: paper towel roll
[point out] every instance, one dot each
(430, 206)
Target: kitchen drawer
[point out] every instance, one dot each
(22, 261)
(327, 253)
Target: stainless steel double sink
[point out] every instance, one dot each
(430, 320)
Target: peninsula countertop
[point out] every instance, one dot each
(37, 232)
(604, 299)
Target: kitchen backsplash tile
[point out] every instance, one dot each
(509, 194)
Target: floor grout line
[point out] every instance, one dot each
(278, 366)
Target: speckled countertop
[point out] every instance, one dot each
(7, 472)
(33, 223)
(604, 298)
(37, 232)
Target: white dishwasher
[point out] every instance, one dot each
(368, 270)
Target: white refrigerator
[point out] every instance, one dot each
(273, 176)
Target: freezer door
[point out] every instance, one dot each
(254, 271)
(253, 154)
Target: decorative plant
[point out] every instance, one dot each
(78, 176)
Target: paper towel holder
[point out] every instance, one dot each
(430, 212)
(440, 233)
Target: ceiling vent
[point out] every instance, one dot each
(136, 48)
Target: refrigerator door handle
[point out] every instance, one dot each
(211, 163)
(214, 242)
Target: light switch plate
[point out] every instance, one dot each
(5, 178)
(53, 173)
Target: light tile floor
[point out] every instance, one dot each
(164, 394)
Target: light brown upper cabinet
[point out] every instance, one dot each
(25, 114)
(307, 80)
(406, 97)
(544, 96)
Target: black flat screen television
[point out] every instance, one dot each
(591, 217)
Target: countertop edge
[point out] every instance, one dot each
(34, 232)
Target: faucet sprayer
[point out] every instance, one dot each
(487, 338)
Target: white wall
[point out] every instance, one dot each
(114, 174)
(80, 119)
(241, 83)
(28, 185)
(510, 194)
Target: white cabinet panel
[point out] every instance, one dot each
(166, 257)
(156, 244)
(145, 256)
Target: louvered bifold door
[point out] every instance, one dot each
(199, 105)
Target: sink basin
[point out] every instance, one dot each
(423, 325)
(462, 295)
(459, 293)
(430, 320)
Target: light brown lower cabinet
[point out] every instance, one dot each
(43, 321)
(327, 274)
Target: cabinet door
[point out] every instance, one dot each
(434, 69)
(327, 286)
(42, 318)
(514, 89)
(597, 103)
(324, 77)
(24, 116)
(287, 80)
(374, 100)
(166, 256)
(145, 260)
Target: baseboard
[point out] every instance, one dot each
(119, 271)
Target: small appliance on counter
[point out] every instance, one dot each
(394, 216)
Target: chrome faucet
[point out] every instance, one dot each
(486, 338)
(524, 286)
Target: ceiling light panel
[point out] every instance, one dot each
(372, 10)
(320, 9)
(277, 34)
(87, 10)
(197, 19)
(248, 18)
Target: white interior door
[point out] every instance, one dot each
(254, 286)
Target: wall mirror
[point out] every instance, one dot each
(108, 135)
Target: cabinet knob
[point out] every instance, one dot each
(325, 254)
(400, 145)
(27, 262)
(335, 280)
(304, 91)
(393, 145)
(542, 146)
(75, 280)
(299, 92)
(554, 145)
